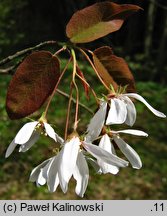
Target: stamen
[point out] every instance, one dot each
(56, 150)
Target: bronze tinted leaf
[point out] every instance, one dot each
(98, 20)
(112, 69)
(33, 82)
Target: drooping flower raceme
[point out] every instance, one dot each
(122, 109)
(73, 156)
(29, 134)
(71, 161)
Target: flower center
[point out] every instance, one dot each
(40, 128)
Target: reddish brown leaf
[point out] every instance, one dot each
(112, 69)
(86, 87)
(97, 21)
(32, 83)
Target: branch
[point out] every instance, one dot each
(23, 52)
(74, 101)
(10, 70)
(7, 71)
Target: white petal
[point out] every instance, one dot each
(107, 168)
(53, 180)
(131, 111)
(40, 180)
(50, 131)
(25, 133)
(117, 113)
(46, 169)
(140, 98)
(59, 139)
(26, 146)
(81, 175)
(107, 145)
(97, 122)
(68, 158)
(35, 172)
(10, 148)
(129, 152)
(131, 131)
(99, 153)
(43, 175)
(94, 164)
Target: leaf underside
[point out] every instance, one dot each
(98, 20)
(33, 82)
(112, 69)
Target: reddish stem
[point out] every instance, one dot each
(55, 88)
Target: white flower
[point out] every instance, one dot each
(69, 162)
(122, 109)
(29, 134)
(97, 122)
(106, 144)
(59, 169)
(101, 154)
(40, 173)
(127, 150)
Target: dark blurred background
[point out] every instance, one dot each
(142, 41)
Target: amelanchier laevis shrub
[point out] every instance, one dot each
(35, 83)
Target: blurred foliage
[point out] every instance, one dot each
(9, 32)
(144, 68)
(150, 182)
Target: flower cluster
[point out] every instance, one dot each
(72, 161)
(121, 110)
(75, 153)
